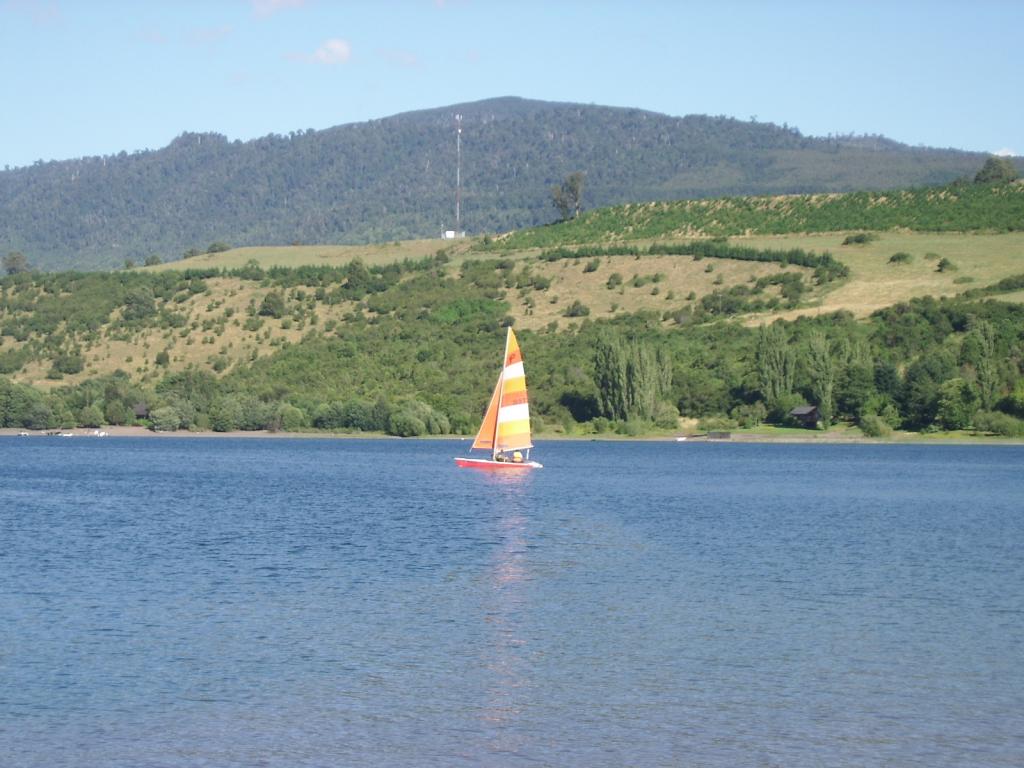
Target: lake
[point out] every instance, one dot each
(287, 602)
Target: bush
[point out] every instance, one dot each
(749, 415)
(117, 413)
(90, 416)
(860, 238)
(414, 418)
(901, 257)
(273, 305)
(292, 419)
(631, 428)
(225, 414)
(69, 363)
(998, 424)
(874, 426)
(945, 265)
(666, 416)
(577, 309)
(165, 419)
(405, 424)
(716, 424)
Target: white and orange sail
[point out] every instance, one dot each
(505, 430)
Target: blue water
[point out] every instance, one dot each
(183, 602)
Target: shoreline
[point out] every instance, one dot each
(904, 438)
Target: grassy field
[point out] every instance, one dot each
(667, 282)
(320, 255)
(874, 283)
(672, 282)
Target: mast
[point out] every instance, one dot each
(501, 391)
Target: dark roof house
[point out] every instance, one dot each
(807, 415)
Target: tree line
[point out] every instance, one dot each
(924, 365)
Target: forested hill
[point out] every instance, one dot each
(394, 178)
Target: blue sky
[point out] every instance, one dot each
(94, 77)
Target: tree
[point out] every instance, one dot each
(15, 263)
(996, 170)
(139, 303)
(775, 366)
(822, 370)
(631, 378)
(273, 305)
(567, 196)
(957, 404)
(91, 416)
(165, 419)
(920, 395)
(978, 351)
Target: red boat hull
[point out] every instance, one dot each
(497, 465)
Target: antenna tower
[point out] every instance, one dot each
(458, 175)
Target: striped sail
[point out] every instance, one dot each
(506, 425)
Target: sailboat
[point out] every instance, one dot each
(505, 430)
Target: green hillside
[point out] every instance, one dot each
(392, 179)
(882, 329)
(960, 207)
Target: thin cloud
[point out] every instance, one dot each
(333, 51)
(399, 57)
(153, 36)
(209, 35)
(42, 12)
(266, 8)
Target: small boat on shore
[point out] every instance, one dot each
(505, 430)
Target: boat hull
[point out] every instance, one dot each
(501, 466)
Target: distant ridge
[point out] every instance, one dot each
(393, 178)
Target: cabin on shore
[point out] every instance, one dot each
(807, 415)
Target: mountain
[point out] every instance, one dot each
(394, 178)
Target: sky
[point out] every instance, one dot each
(97, 77)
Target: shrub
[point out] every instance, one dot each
(998, 424)
(945, 265)
(273, 305)
(90, 416)
(165, 419)
(860, 238)
(292, 419)
(118, 413)
(225, 414)
(69, 364)
(716, 424)
(577, 309)
(139, 303)
(901, 257)
(666, 416)
(873, 425)
(749, 415)
(405, 424)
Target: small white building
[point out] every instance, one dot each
(451, 234)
